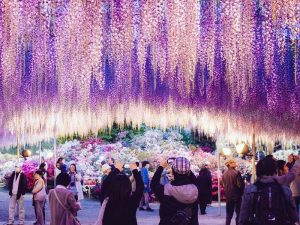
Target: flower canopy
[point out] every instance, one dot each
(219, 66)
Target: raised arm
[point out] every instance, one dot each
(137, 195)
(291, 175)
(156, 187)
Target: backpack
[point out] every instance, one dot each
(181, 217)
(269, 205)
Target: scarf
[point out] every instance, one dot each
(16, 184)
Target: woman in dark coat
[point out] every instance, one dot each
(204, 185)
(120, 204)
(178, 199)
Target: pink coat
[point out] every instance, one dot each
(60, 216)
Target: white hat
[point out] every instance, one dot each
(18, 165)
(105, 167)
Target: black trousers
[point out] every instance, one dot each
(297, 202)
(231, 206)
(202, 205)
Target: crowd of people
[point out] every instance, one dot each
(125, 188)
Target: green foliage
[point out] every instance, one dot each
(111, 134)
(69, 137)
(33, 148)
(197, 138)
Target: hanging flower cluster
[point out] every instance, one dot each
(65, 62)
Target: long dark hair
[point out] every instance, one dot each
(60, 159)
(120, 189)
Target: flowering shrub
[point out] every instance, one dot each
(215, 186)
(50, 168)
(153, 145)
(29, 167)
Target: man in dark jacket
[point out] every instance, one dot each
(17, 189)
(178, 199)
(267, 176)
(234, 188)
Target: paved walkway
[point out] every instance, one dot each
(90, 209)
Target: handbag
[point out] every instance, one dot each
(75, 219)
(41, 195)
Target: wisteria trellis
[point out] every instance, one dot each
(77, 65)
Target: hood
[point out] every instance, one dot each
(186, 194)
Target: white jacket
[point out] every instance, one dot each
(79, 186)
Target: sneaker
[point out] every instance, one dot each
(141, 209)
(149, 210)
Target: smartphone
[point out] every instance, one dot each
(171, 160)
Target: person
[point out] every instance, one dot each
(106, 169)
(17, 188)
(61, 167)
(266, 199)
(204, 185)
(121, 204)
(111, 163)
(178, 199)
(167, 175)
(146, 197)
(43, 168)
(164, 177)
(57, 170)
(295, 183)
(282, 168)
(39, 197)
(233, 187)
(295, 188)
(291, 160)
(290, 171)
(63, 205)
(75, 184)
(106, 185)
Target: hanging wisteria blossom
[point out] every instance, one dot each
(78, 66)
